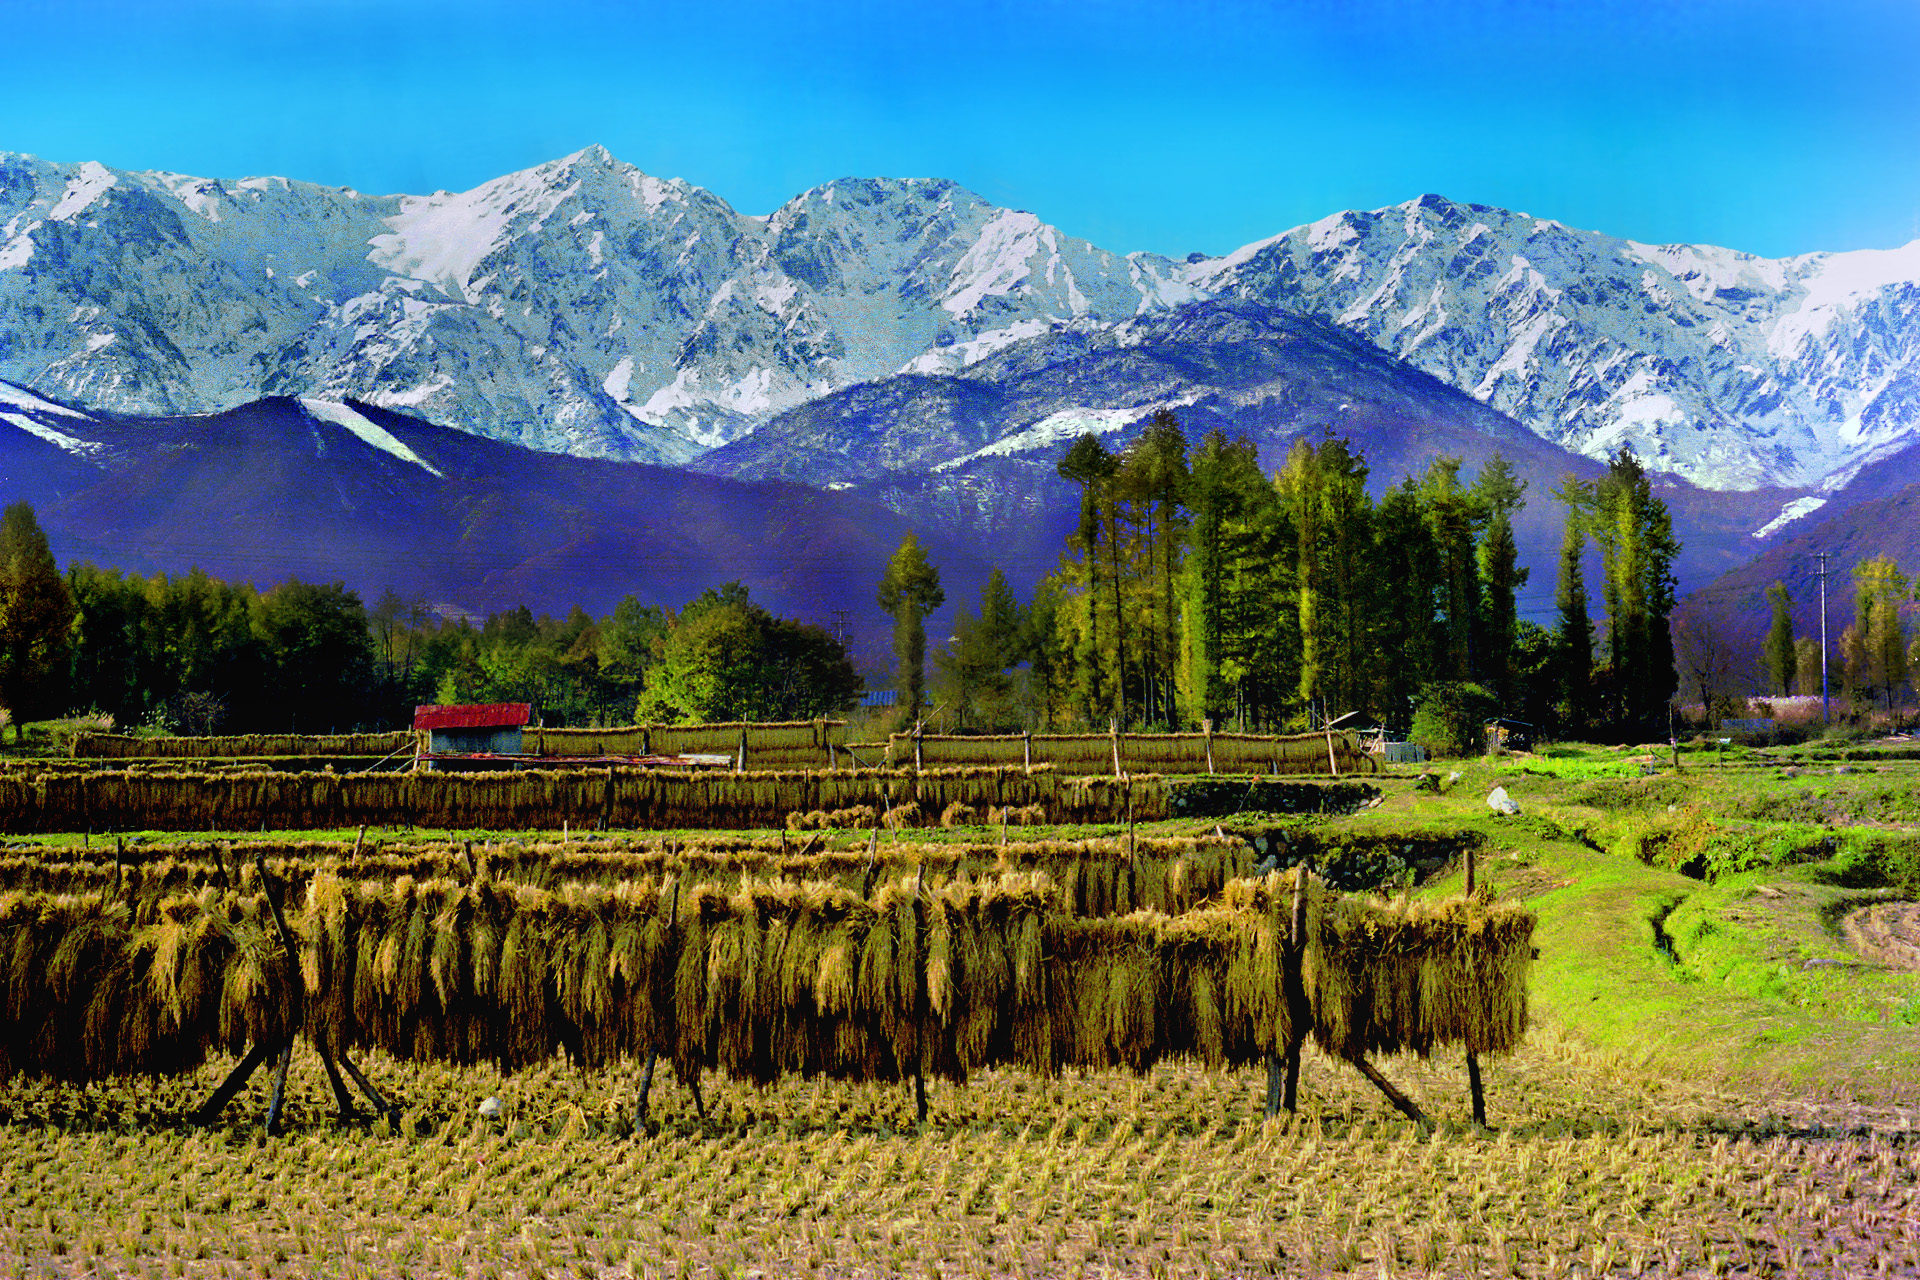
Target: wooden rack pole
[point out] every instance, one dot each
(1473, 1060)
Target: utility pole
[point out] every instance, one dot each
(1826, 711)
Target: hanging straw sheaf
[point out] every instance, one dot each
(958, 966)
(1413, 976)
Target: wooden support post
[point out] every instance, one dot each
(1278, 1072)
(1333, 765)
(359, 841)
(919, 1096)
(1401, 1101)
(1026, 750)
(342, 1098)
(1003, 821)
(390, 1110)
(693, 1085)
(278, 1097)
(646, 1087)
(1473, 1059)
(1206, 730)
(1113, 733)
(918, 727)
(1293, 977)
(236, 1081)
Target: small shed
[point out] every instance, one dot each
(491, 728)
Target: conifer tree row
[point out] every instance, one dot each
(1195, 588)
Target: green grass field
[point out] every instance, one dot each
(1717, 1083)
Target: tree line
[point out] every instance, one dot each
(1876, 657)
(192, 653)
(1194, 587)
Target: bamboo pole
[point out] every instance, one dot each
(1206, 730)
(1113, 733)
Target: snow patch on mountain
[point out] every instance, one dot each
(1798, 509)
(59, 439)
(1057, 428)
(22, 398)
(91, 181)
(368, 431)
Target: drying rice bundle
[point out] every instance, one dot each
(58, 949)
(1104, 991)
(257, 1001)
(985, 969)
(959, 815)
(1392, 977)
(890, 980)
(782, 985)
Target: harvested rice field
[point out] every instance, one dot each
(1595, 1168)
(1718, 1074)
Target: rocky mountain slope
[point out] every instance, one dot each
(1731, 370)
(583, 306)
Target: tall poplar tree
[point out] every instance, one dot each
(1637, 548)
(910, 590)
(1779, 654)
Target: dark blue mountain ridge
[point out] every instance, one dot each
(278, 488)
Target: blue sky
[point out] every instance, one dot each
(1770, 127)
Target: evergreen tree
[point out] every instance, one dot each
(909, 590)
(1154, 476)
(1089, 464)
(1635, 535)
(1574, 633)
(1407, 577)
(1454, 519)
(1780, 654)
(36, 615)
(1500, 494)
(1225, 485)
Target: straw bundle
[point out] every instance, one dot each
(114, 746)
(1094, 753)
(1392, 977)
(759, 978)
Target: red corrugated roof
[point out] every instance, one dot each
(487, 715)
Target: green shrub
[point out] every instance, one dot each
(1451, 718)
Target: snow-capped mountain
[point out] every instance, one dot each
(1731, 370)
(583, 306)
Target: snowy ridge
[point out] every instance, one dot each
(1732, 370)
(584, 306)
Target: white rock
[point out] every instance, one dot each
(1502, 803)
(490, 1108)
